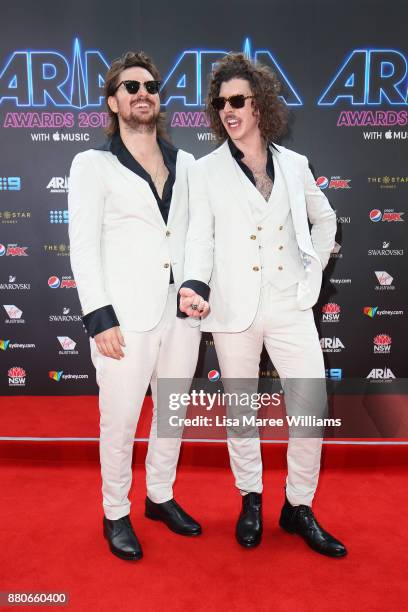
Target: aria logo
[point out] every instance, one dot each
(331, 345)
(381, 374)
(58, 184)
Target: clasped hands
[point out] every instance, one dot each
(111, 341)
(192, 304)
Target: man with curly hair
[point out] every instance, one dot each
(250, 253)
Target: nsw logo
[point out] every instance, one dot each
(382, 343)
(17, 377)
(331, 312)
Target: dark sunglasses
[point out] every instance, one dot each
(237, 101)
(132, 87)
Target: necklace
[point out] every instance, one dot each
(160, 179)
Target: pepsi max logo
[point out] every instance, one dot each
(54, 282)
(214, 375)
(322, 182)
(2, 250)
(375, 215)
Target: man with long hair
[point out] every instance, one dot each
(128, 210)
(250, 253)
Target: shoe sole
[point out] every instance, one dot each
(326, 554)
(157, 518)
(123, 556)
(246, 545)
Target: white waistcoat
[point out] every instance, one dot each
(281, 263)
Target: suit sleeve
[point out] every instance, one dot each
(199, 251)
(321, 216)
(86, 202)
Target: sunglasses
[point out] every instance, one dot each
(237, 101)
(132, 87)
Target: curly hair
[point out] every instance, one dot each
(129, 60)
(273, 113)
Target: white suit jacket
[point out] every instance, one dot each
(121, 249)
(219, 251)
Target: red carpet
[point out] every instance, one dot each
(51, 521)
(51, 541)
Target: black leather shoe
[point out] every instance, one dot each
(301, 520)
(172, 515)
(249, 526)
(122, 539)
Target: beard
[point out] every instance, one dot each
(144, 123)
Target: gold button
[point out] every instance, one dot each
(259, 228)
(255, 269)
(168, 233)
(281, 247)
(253, 237)
(166, 265)
(281, 227)
(280, 267)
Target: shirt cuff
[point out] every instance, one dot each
(100, 320)
(199, 287)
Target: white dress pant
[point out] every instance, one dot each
(291, 340)
(170, 350)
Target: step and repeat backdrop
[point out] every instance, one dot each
(344, 73)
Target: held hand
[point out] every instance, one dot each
(193, 304)
(109, 343)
